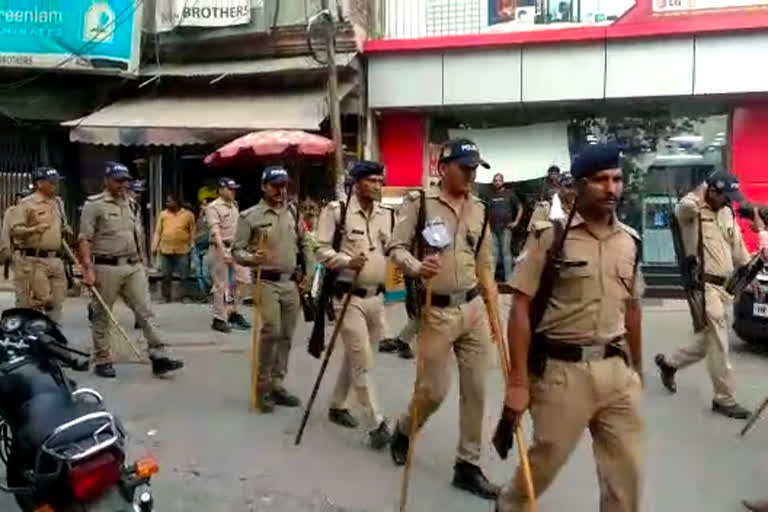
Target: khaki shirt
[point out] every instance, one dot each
(222, 218)
(597, 277)
(111, 225)
(540, 213)
(363, 233)
(6, 242)
(720, 234)
(34, 210)
(283, 237)
(459, 264)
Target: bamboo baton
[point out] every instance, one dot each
(754, 417)
(256, 333)
(103, 304)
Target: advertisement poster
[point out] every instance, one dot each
(667, 6)
(97, 35)
(433, 158)
(204, 13)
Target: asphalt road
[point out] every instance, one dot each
(216, 456)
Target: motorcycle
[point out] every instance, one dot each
(63, 451)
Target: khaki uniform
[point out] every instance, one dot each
(364, 323)
(222, 218)
(723, 247)
(461, 327)
(7, 245)
(39, 278)
(279, 302)
(587, 307)
(113, 229)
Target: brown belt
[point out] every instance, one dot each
(715, 280)
(38, 253)
(575, 353)
(342, 288)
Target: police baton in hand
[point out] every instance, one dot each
(753, 418)
(256, 332)
(437, 238)
(104, 306)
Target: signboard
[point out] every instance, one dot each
(433, 160)
(665, 6)
(203, 13)
(95, 35)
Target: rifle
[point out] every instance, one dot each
(324, 304)
(691, 275)
(414, 286)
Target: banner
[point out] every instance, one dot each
(97, 35)
(171, 14)
(662, 6)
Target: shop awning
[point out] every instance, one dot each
(184, 120)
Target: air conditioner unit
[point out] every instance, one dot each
(525, 14)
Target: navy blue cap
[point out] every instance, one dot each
(595, 158)
(566, 180)
(228, 183)
(275, 174)
(138, 186)
(359, 169)
(727, 184)
(463, 151)
(46, 173)
(116, 171)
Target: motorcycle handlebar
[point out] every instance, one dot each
(76, 363)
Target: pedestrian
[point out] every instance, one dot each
(587, 345)
(111, 261)
(366, 226)
(7, 242)
(565, 192)
(200, 252)
(222, 216)
(173, 240)
(270, 236)
(40, 226)
(712, 238)
(457, 321)
(505, 213)
(551, 183)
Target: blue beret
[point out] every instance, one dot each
(595, 158)
(359, 169)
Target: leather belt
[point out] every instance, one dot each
(454, 299)
(342, 288)
(275, 276)
(39, 254)
(716, 280)
(575, 353)
(116, 260)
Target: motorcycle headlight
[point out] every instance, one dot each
(10, 323)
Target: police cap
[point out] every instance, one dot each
(595, 158)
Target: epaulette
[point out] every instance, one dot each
(413, 195)
(96, 197)
(334, 204)
(248, 211)
(630, 230)
(386, 207)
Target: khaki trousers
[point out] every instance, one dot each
(713, 344)
(128, 282)
(364, 325)
(40, 284)
(220, 277)
(603, 396)
(410, 330)
(279, 310)
(464, 331)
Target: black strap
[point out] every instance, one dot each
(391, 221)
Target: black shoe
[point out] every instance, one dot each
(380, 437)
(221, 326)
(105, 370)
(239, 322)
(266, 403)
(398, 447)
(342, 417)
(282, 397)
(163, 365)
(470, 478)
(388, 346)
(667, 373)
(734, 411)
(404, 350)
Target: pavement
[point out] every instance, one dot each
(216, 456)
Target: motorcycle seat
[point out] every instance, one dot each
(45, 412)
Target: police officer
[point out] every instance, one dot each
(458, 321)
(366, 226)
(39, 225)
(708, 228)
(110, 260)
(588, 341)
(567, 194)
(8, 243)
(275, 225)
(222, 216)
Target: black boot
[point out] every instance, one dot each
(342, 417)
(734, 411)
(163, 365)
(239, 322)
(667, 373)
(266, 403)
(388, 345)
(403, 349)
(380, 437)
(282, 397)
(470, 478)
(221, 326)
(105, 370)
(398, 447)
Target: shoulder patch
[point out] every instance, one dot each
(631, 231)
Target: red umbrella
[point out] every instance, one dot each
(271, 143)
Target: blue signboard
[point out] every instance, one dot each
(95, 35)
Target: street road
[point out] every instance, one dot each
(216, 456)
